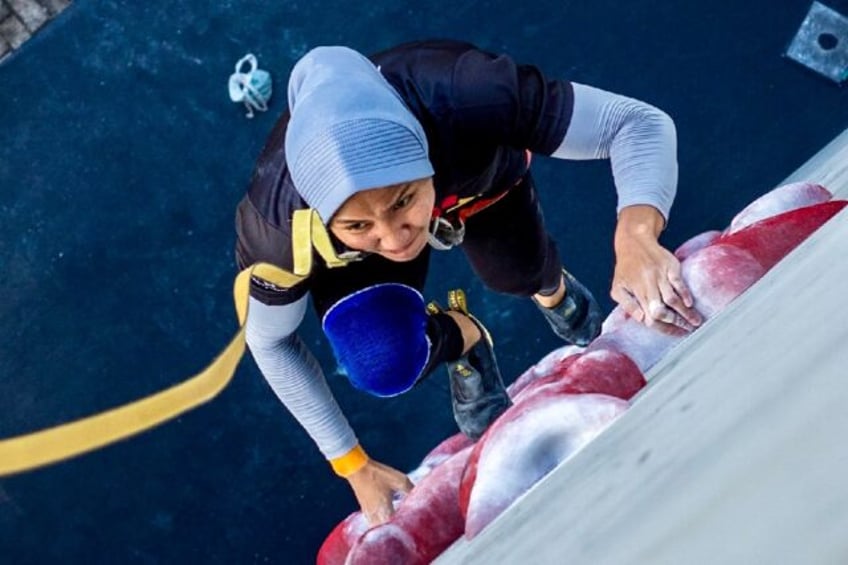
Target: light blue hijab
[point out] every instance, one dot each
(349, 130)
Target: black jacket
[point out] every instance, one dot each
(480, 113)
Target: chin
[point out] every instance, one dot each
(402, 257)
(408, 254)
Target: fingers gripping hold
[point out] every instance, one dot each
(628, 302)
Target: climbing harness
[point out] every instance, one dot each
(26, 452)
(253, 88)
(447, 225)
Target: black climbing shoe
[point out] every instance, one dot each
(577, 319)
(478, 394)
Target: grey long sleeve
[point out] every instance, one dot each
(295, 376)
(639, 139)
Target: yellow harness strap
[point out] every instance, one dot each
(55, 444)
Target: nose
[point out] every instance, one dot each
(393, 236)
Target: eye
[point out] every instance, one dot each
(403, 201)
(356, 227)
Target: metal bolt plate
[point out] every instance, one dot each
(821, 43)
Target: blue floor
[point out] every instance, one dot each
(122, 159)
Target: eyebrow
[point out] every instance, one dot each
(404, 190)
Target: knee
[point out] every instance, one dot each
(378, 335)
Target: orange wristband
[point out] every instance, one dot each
(350, 462)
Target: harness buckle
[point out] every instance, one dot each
(445, 235)
(352, 256)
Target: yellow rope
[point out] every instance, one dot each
(55, 444)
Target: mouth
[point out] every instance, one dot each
(409, 251)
